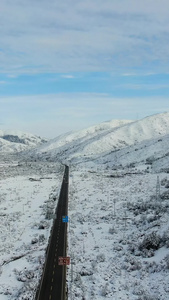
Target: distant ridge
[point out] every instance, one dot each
(115, 143)
(101, 140)
(16, 141)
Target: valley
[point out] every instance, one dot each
(118, 211)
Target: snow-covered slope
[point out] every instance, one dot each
(101, 140)
(70, 144)
(83, 135)
(153, 152)
(15, 141)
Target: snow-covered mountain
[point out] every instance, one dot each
(15, 141)
(118, 207)
(73, 144)
(121, 142)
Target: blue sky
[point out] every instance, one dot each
(66, 66)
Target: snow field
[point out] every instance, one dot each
(24, 231)
(105, 248)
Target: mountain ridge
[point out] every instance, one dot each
(103, 139)
(12, 141)
(112, 143)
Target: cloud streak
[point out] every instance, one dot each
(52, 36)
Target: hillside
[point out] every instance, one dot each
(16, 141)
(114, 142)
(152, 154)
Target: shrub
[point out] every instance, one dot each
(151, 241)
(112, 230)
(105, 290)
(167, 184)
(165, 195)
(167, 261)
(131, 263)
(165, 238)
(150, 160)
(164, 181)
(148, 297)
(100, 257)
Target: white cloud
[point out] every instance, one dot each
(53, 36)
(68, 76)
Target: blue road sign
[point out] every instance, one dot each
(65, 219)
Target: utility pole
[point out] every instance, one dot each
(108, 199)
(114, 206)
(158, 197)
(83, 248)
(71, 282)
(125, 218)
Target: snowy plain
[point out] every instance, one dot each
(107, 230)
(104, 248)
(27, 192)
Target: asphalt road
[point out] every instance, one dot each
(53, 282)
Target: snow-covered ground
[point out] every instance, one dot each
(118, 236)
(118, 231)
(27, 193)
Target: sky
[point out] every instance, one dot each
(67, 65)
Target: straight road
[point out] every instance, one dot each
(53, 282)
